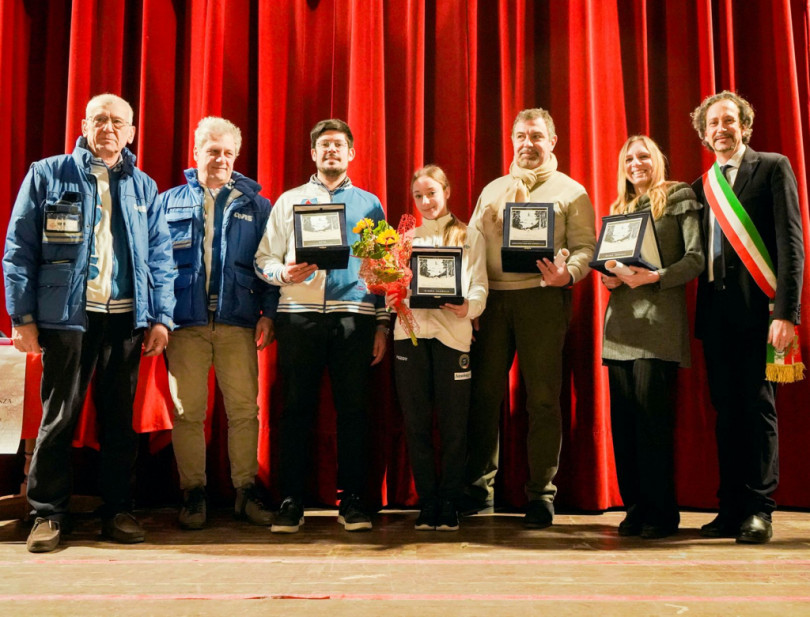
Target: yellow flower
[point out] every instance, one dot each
(389, 237)
(363, 224)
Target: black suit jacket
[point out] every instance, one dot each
(766, 188)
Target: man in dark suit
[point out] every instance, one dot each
(733, 317)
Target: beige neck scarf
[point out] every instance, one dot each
(524, 182)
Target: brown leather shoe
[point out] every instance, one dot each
(122, 528)
(44, 537)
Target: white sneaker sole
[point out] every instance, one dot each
(363, 526)
(287, 528)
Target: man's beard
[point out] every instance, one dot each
(332, 172)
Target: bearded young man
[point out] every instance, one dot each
(326, 320)
(527, 313)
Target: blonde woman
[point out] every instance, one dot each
(646, 339)
(436, 373)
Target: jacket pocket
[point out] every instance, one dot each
(53, 292)
(246, 299)
(180, 230)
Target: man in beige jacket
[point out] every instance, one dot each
(527, 313)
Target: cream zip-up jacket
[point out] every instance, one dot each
(441, 324)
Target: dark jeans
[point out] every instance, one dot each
(427, 374)
(111, 349)
(642, 419)
(343, 344)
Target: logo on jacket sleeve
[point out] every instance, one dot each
(244, 217)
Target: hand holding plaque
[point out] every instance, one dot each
(528, 236)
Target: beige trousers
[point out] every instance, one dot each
(190, 354)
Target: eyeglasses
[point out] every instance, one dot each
(101, 122)
(325, 144)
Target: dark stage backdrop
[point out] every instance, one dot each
(423, 81)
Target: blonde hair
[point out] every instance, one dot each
(455, 232)
(627, 199)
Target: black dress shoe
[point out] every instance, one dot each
(653, 532)
(470, 506)
(539, 514)
(755, 530)
(631, 525)
(723, 526)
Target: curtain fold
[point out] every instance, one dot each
(421, 81)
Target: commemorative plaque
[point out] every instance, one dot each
(528, 235)
(436, 276)
(627, 239)
(320, 235)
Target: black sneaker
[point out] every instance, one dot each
(352, 515)
(290, 516)
(539, 514)
(448, 516)
(428, 515)
(193, 514)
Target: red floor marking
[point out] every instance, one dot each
(674, 562)
(399, 597)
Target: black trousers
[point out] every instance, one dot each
(343, 344)
(642, 422)
(746, 430)
(426, 375)
(111, 350)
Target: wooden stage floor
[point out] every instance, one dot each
(491, 567)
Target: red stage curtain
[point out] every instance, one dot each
(425, 81)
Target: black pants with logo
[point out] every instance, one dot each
(433, 375)
(343, 344)
(111, 350)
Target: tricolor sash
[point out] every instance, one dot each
(743, 236)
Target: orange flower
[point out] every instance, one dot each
(363, 224)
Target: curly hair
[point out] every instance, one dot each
(746, 115)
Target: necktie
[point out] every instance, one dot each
(718, 261)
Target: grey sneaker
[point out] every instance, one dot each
(290, 516)
(193, 514)
(249, 507)
(352, 515)
(44, 537)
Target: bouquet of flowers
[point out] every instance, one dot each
(386, 254)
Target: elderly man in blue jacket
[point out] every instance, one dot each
(89, 279)
(224, 314)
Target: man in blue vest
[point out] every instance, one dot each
(89, 278)
(224, 314)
